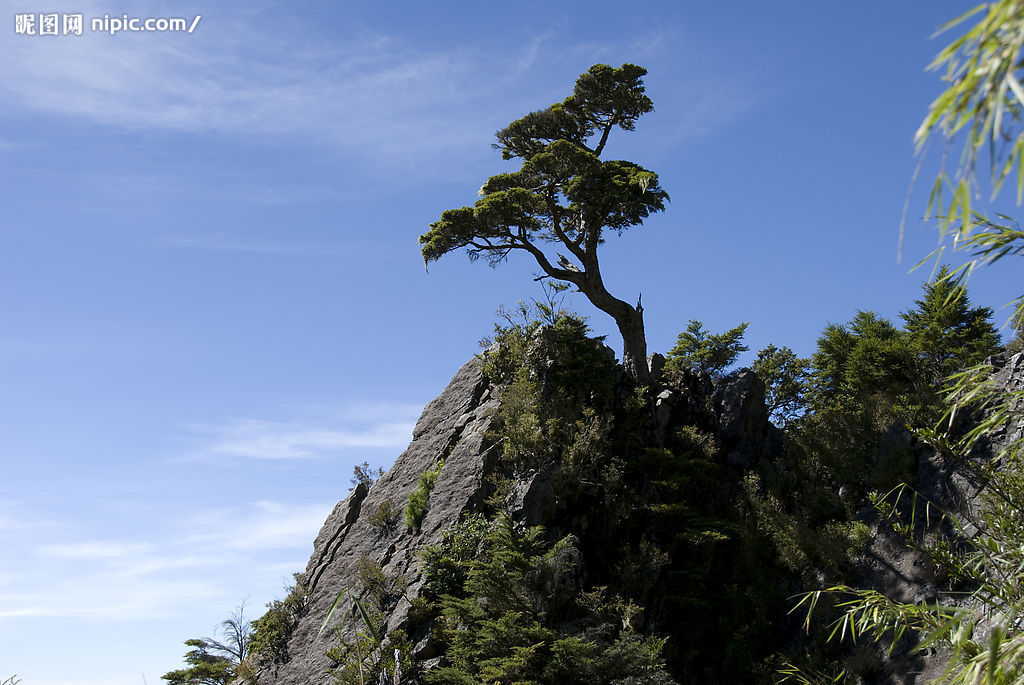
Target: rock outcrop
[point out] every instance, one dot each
(453, 428)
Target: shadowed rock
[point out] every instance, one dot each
(452, 427)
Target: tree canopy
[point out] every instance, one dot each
(949, 334)
(785, 377)
(560, 203)
(204, 666)
(212, 661)
(706, 352)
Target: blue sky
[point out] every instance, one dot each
(212, 299)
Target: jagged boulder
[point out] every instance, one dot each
(743, 424)
(453, 427)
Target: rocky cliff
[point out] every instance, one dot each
(452, 428)
(456, 432)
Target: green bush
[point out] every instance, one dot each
(785, 382)
(519, 617)
(366, 660)
(375, 584)
(271, 631)
(385, 516)
(446, 564)
(418, 504)
(559, 388)
(364, 474)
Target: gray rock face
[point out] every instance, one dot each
(907, 575)
(733, 410)
(742, 417)
(531, 497)
(1010, 376)
(452, 427)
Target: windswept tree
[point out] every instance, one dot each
(562, 201)
(212, 661)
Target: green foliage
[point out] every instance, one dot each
(418, 504)
(1016, 344)
(554, 146)
(204, 667)
(364, 474)
(982, 629)
(785, 379)
(661, 527)
(385, 516)
(213, 661)
(865, 388)
(983, 106)
(557, 381)
(365, 660)
(871, 379)
(706, 352)
(948, 334)
(519, 617)
(981, 110)
(869, 382)
(864, 359)
(271, 631)
(446, 564)
(564, 194)
(373, 582)
(367, 656)
(808, 676)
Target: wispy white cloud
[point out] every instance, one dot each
(96, 550)
(263, 525)
(370, 426)
(369, 93)
(712, 108)
(134, 680)
(132, 579)
(15, 517)
(222, 243)
(384, 98)
(89, 592)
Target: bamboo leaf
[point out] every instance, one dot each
(959, 19)
(366, 621)
(330, 612)
(1014, 84)
(1019, 152)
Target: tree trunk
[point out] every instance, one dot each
(630, 321)
(634, 345)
